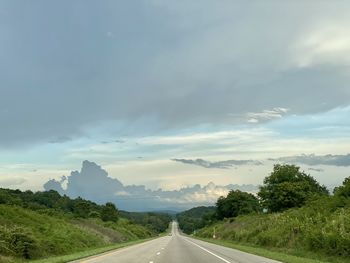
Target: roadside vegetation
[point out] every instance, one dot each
(45, 224)
(292, 214)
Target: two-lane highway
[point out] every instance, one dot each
(176, 249)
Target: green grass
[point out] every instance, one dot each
(33, 235)
(319, 231)
(26, 234)
(88, 253)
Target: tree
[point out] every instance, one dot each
(82, 208)
(195, 218)
(344, 189)
(236, 203)
(47, 198)
(109, 213)
(288, 187)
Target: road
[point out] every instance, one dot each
(176, 248)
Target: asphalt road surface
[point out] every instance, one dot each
(176, 248)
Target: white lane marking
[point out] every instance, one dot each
(115, 251)
(158, 253)
(151, 262)
(162, 248)
(206, 250)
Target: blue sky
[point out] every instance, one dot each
(132, 85)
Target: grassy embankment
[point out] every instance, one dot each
(318, 232)
(31, 234)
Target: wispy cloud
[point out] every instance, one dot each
(266, 115)
(60, 139)
(316, 169)
(220, 165)
(312, 159)
(205, 137)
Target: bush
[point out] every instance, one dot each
(18, 241)
(109, 213)
(320, 227)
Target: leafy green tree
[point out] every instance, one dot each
(288, 187)
(82, 208)
(6, 197)
(109, 212)
(236, 203)
(344, 189)
(47, 198)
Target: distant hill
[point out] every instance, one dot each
(195, 218)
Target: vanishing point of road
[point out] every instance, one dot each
(176, 249)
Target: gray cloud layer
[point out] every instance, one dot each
(220, 165)
(180, 62)
(312, 159)
(93, 183)
(316, 169)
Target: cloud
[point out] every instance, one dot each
(93, 183)
(220, 165)
(316, 169)
(60, 139)
(205, 137)
(206, 195)
(12, 182)
(109, 34)
(312, 159)
(327, 45)
(266, 115)
(80, 78)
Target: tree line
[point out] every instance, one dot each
(51, 202)
(286, 187)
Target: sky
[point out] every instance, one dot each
(170, 94)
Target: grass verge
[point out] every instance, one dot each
(88, 253)
(279, 255)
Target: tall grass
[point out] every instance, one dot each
(321, 227)
(26, 234)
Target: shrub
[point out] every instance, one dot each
(109, 213)
(18, 241)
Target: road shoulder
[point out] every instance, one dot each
(275, 255)
(92, 252)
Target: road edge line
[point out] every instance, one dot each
(208, 251)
